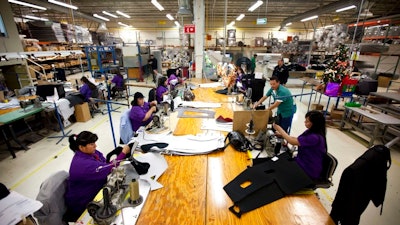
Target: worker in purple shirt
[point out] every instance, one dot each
(118, 81)
(142, 112)
(87, 174)
(88, 89)
(162, 89)
(312, 144)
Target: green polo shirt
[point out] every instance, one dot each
(285, 97)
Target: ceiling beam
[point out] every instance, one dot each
(330, 8)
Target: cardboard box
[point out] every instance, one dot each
(316, 107)
(384, 81)
(82, 113)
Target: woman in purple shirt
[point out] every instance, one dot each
(88, 89)
(118, 80)
(142, 112)
(312, 144)
(162, 89)
(85, 178)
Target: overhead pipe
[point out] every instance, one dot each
(330, 8)
(64, 10)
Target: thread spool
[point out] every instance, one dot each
(135, 198)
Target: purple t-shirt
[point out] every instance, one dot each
(159, 93)
(137, 115)
(86, 92)
(118, 81)
(85, 181)
(311, 153)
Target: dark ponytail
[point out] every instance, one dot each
(83, 138)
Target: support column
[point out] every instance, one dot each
(199, 18)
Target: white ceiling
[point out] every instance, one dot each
(144, 15)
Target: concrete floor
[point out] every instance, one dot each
(25, 173)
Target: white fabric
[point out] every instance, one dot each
(64, 109)
(183, 145)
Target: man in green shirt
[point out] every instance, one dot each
(283, 101)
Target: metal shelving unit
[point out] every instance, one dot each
(99, 60)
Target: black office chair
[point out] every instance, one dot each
(329, 164)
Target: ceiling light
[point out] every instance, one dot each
(123, 14)
(100, 17)
(231, 24)
(35, 18)
(27, 4)
(63, 4)
(177, 24)
(328, 26)
(109, 14)
(288, 24)
(157, 5)
(170, 17)
(346, 8)
(240, 17)
(309, 18)
(255, 6)
(125, 25)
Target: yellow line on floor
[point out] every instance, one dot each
(327, 196)
(52, 158)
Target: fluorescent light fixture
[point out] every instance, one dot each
(177, 23)
(240, 17)
(125, 25)
(255, 6)
(170, 17)
(231, 24)
(346, 8)
(309, 18)
(109, 14)
(63, 4)
(328, 26)
(157, 5)
(123, 14)
(100, 17)
(288, 24)
(35, 18)
(27, 4)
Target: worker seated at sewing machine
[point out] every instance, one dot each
(89, 171)
(141, 113)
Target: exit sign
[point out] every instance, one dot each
(189, 28)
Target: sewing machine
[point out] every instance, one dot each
(124, 190)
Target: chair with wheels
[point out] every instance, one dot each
(329, 165)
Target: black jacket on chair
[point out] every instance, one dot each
(362, 181)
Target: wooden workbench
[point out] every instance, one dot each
(193, 187)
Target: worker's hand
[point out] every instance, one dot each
(153, 109)
(126, 149)
(255, 105)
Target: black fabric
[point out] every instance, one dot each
(270, 180)
(140, 167)
(147, 147)
(257, 86)
(75, 98)
(222, 91)
(48, 90)
(3, 191)
(362, 181)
